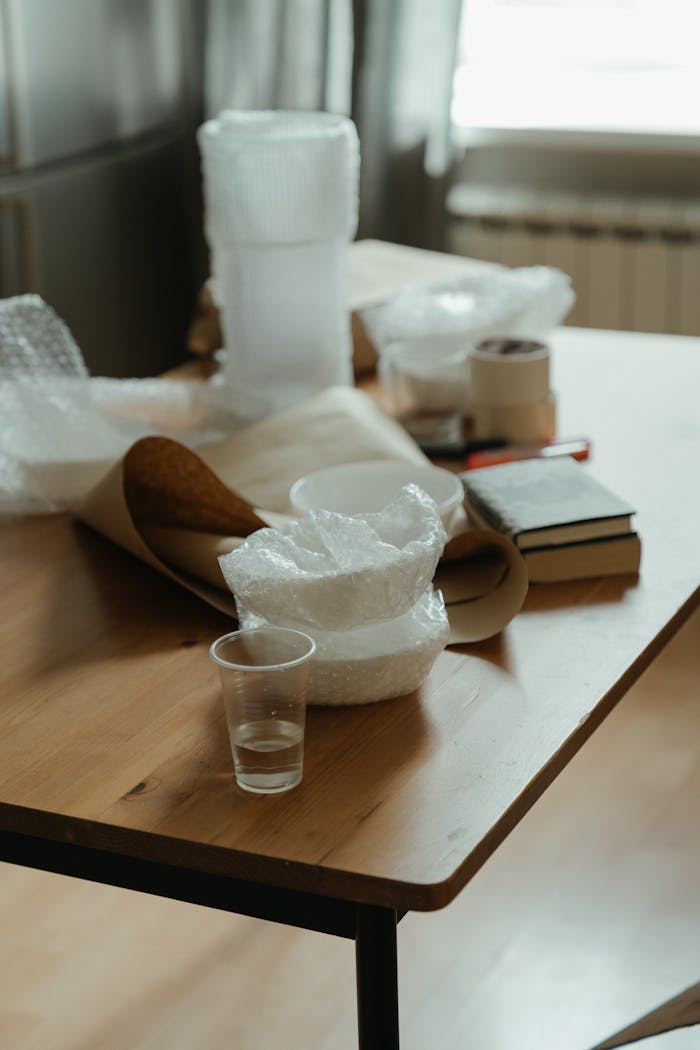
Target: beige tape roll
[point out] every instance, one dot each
(509, 371)
(519, 424)
(511, 398)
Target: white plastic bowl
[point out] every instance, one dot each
(367, 487)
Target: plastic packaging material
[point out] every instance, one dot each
(360, 585)
(336, 571)
(374, 661)
(60, 428)
(35, 342)
(281, 193)
(528, 302)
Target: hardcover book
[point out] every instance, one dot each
(566, 524)
(577, 561)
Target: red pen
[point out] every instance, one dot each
(577, 448)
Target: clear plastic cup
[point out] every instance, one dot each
(264, 674)
(427, 382)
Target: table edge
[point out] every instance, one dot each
(332, 882)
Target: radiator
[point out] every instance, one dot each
(634, 262)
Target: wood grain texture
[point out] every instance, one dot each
(584, 920)
(113, 730)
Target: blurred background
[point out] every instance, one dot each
(561, 132)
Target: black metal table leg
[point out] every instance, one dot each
(373, 928)
(377, 978)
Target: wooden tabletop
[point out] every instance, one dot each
(112, 731)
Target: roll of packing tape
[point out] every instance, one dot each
(510, 391)
(509, 371)
(533, 424)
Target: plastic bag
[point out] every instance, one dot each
(527, 302)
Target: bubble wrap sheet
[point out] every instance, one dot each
(60, 429)
(360, 585)
(281, 192)
(376, 661)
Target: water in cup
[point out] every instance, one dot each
(268, 754)
(264, 674)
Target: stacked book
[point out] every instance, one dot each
(566, 525)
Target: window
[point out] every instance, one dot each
(586, 65)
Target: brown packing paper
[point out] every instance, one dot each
(197, 553)
(340, 425)
(178, 511)
(484, 580)
(109, 511)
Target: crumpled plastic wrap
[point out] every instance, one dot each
(360, 585)
(336, 571)
(60, 428)
(525, 302)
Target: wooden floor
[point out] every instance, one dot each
(587, 917)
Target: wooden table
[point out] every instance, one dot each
(114, 758)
